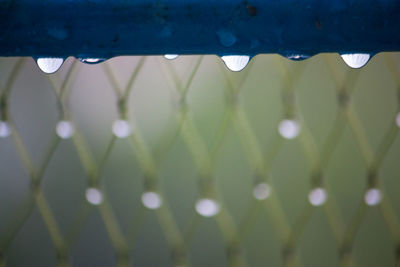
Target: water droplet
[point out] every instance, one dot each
(356, 61)
(5, 129)
(317, 196)
(289, 129)
(262, 191)
(151, 200)
(207, 207)
(94, 196)
(398, 119)
(121, 128)
(65, 129)
(236, 63)
(297, 57)
(49, 65)
(171, 56)
(226, 38)
(373, 197)
(91, 60)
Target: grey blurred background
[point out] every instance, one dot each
(216, 140)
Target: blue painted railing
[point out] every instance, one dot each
(107, 28)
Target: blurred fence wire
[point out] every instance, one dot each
(184, 163)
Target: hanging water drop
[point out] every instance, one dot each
(289, 129)
(261, 191)
(398, 119)
(49, 65)
(236, 63)
(151, 200)
(207, 207)
(317, 196)
(373, 197)
(121, 128)
(356, 61)
(65, 129)
(171, 56)
(5, 129)
(91, 60)
(297, 57)
(94, 196)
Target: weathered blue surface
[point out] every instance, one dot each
(107, 28)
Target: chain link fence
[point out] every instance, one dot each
(145, 161)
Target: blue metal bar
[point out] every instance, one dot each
(107, 28)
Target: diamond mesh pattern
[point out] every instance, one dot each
(199, 131)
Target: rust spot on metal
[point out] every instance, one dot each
(252, 10)
(318, 24)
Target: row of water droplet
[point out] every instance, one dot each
(234, 63)
(287, 128)
(207, 207)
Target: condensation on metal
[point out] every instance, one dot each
(108, 28)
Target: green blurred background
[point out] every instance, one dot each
(217, 139)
